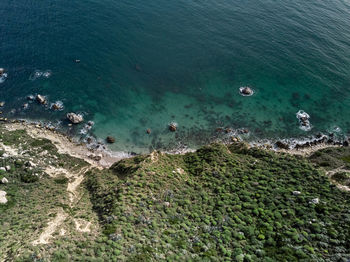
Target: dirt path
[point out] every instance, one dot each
(51, 228)
(76, 179)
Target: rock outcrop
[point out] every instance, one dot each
(75, 118)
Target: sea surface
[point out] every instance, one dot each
(145, 64)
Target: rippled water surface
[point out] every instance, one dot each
(144, 64)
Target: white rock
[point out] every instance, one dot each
(8, 168)
(3, 199)
(296, 193)
(2, 168)
(4, 180)
(315, 201)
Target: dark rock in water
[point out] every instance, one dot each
(110, 139)
(282, 145)
(75, 118)
(346, 143)
(31, 97)
(319, 135)
(41, 99)
(148, 131)
(331, 135)
(90, 123)
(246, 91)
(25, 106)
(57, 106)
(172, 127)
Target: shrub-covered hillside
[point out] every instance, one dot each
(220, 204)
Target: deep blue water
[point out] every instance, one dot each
(147, 63)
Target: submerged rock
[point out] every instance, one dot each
(41, 99)
(75, 118)
(110, 139)
(148, 131)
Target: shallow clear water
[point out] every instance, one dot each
(147, 63)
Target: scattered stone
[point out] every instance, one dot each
(110, 139)
(2, 104)
(172, 127)
(246, 91)
(30, 97)
(41, 99)
(315, 201)
(57, 106)
(3, 199)
(75, 118)
(296, 193)
(282, 145)
(4, 180)
(8, 168)
(148, 131)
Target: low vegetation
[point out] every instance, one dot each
(220, 203)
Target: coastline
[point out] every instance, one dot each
(101, 157)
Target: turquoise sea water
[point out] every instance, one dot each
(144, 64)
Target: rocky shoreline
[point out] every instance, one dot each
(100, 156)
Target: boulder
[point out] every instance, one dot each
(75, 118)
(57, 106)
(315, 201)
(247, 91)
(3, 169)
(2, 71)
(8, 168)
(2, 103)
(3, 199)
(172, 127)
(282, 145)
(296, 193)
(110, 139)
(4, 180)
(41, 99)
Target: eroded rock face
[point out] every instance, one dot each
(41, 99)
(75, 118)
